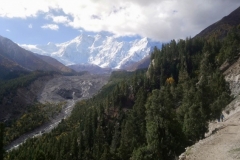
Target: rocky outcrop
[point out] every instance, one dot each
(222, 140)
(232, 76)
(66, 87)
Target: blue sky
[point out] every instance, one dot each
(30, 31)
(43, 21)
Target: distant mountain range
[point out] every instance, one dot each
(102, 49)
(13, 57)
(99, 53)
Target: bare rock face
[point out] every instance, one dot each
(232, 76)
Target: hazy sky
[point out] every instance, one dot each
(43, 21)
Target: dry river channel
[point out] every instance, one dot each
(63, 88)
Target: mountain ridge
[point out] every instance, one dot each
(101, 49)
(26, 59)
(142, 117)
(55, 63)
(220, 28)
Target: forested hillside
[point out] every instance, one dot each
(14, 100)
(151, 114)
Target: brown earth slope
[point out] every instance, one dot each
(220, 29)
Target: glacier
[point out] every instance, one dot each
(101, 49)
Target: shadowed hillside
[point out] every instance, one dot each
(27, 59)
(220, 29)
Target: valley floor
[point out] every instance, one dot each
(60, 89)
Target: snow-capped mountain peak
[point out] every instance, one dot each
(101, 49)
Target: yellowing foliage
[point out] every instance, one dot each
(24, 116)
(170, 80)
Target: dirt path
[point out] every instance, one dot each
(222, 144)
(223, 140)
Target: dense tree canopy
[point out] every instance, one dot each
(144, 115)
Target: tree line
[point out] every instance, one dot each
(151, 114)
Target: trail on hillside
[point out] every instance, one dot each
(223, 141)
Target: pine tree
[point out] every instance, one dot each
(161, 124)
(98, 143)
(1, 141)
(106, 153)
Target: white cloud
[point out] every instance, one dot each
(30, 26)
(50, 26)
(7, 30)
(58, 19)
(23, 8)
(158, 19)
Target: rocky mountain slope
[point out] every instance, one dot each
(55, 89)
(154, 129)
(232, 75)
(221, 28)
(144, 63)
(223, 138)
(223, 144)
(55, 63)
(101, 49)
(51, 88)
(10, 69)
(62, 88)
(25, 59)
